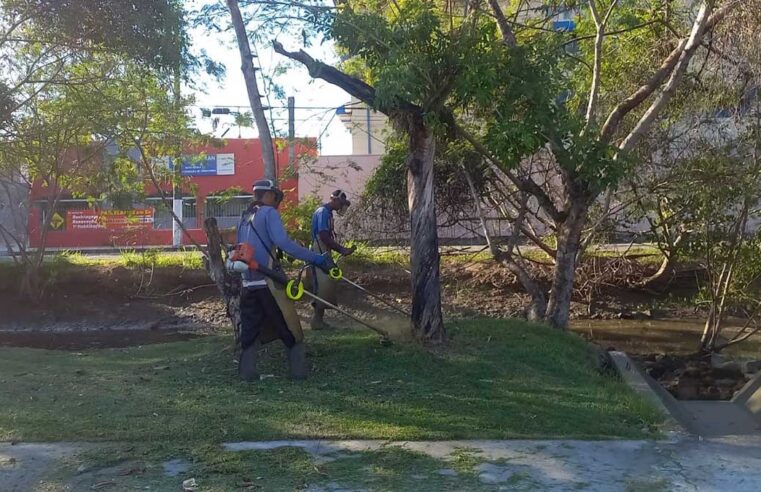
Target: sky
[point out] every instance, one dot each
(315, 100)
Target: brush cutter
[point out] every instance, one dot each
(241, 259)
(337, 274)
(375, 296)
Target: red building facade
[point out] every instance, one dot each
(77, 224)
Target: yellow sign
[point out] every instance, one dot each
(56, 221)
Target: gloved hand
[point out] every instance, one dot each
(325, 262)
(347, 251)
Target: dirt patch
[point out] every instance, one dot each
(101, 298)
(693, 377)
(82, 340)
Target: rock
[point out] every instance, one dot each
(718, 359)
(725, 383)
(723, 363)
(712, 393)
(726, 393)
(655, 372)
(636, 315)
(751, 366)
(687, 389)
(730, 370)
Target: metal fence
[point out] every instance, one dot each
(162, 216)
(381, 229)
(227, 211)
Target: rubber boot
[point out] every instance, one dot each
(317, 322)
(247, 363)
(297, 361)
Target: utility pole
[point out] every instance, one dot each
(254, 96)
(291, 132)
(177, 174)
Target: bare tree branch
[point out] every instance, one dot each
(693, 43)
(646, 90)
(594, 90)
(508, 36)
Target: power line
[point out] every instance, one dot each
(237, 106)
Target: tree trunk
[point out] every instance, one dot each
(427, 318)
(537, 308)
(254, 97)
(667, 266)
(229, 285)
(569, 241)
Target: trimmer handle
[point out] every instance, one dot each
(276, 275)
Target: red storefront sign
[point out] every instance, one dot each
(109, 219)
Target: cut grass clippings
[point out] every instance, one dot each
(497, 379)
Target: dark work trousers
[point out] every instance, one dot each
(257, 307)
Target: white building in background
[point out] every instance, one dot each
(14, 213)
(369, 129)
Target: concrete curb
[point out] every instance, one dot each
(676, 421)
(750, 395)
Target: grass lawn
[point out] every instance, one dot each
(389, 469)
(498, 379)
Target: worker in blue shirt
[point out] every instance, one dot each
(324, 241)
(266, 312)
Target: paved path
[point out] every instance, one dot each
(680, 464)
(731, 463)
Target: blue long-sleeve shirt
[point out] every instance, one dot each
(271, 232)
(322, 220)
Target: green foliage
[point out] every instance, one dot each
(224, 196)
(720, 200)
(151, 31)
(298, 218)
(526, 108)
(409, 51)
(155, 258)
(387, 187)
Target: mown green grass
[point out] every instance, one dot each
(497, 379)
(289, 468)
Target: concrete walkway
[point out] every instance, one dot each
(730, 463)
(680, 464)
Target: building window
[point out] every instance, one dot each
(227, 210)
(162, 217)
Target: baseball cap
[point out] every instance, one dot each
(268, 185)
(340, 195)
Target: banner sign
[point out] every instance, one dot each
(210, 165)
(109, 219)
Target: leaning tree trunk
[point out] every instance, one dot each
(254, 96)
(427, 318)
(569, 242)
(229, 285)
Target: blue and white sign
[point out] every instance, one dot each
(210, 165)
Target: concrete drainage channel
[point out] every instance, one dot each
(740, 416)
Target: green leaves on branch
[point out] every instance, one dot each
(152, 32)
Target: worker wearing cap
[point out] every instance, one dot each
(266, 312)
(324, 241)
